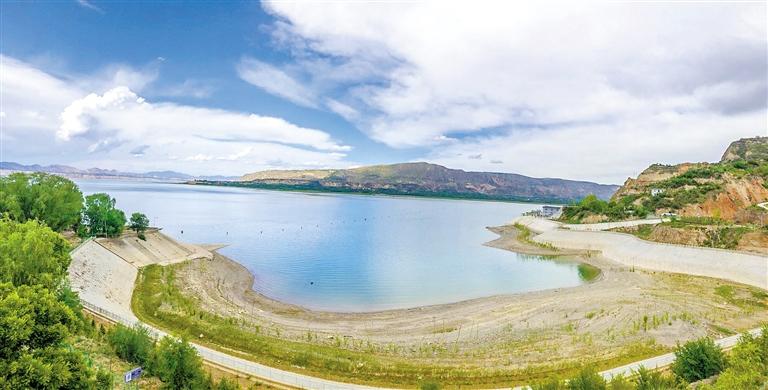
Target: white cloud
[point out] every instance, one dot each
(121, 111)
(275, 81)
(76, 118)
(448, 75)
(50, 116)
(605, 152)
(90, 5)
(189, 88)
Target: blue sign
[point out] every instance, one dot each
(133, 374)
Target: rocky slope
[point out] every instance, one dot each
(729, 189)
(717, 202)
(429, 180)
(747, 149)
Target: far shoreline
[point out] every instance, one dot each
(554, 201)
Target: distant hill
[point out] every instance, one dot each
(98, 173)
(748, 149)
(423, 179)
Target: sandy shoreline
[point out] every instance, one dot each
(512, 330)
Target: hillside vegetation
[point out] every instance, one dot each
(46, 339)
(711, 204)
(423, 179)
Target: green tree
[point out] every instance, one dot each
(50, 368)
(178, 365)
(31, 318)
(698, 359)
(139, 223)
(31, 253)
(102, 217)
(748, 368)
(52, 199)
(33, 327)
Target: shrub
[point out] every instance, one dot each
(429, 385)
(226, 384)
(651, 380)
(178, 365)
(618, 382)
(698, 359)
(587, 379)
(104, 380)
(748, 368)
(550, 384)
(132, 344)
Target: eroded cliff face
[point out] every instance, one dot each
(729, 189)
(737, 195)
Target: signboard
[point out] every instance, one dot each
(132, 375)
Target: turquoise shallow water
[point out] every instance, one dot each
(348, 252)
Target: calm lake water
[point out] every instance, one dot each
(348, 252)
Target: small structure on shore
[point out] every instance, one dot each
(551, 211)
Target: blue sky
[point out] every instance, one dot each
(583, 91)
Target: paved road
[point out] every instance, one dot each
(247, 367)
(611, 225)
(307, 382)
(667, 359)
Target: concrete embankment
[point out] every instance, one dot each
(103, 270)
(751, 269)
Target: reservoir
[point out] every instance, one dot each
(341, 252)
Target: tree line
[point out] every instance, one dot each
(59, 203)
(40, 313)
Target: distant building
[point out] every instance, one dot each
(551, 211)
(656, 191)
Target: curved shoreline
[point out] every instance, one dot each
(545, 329)
(626, 249)
(233, 295)
(504, 242)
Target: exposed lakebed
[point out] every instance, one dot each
(349, 252)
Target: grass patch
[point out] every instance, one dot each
(525, 235)
(157, 301)
(755, 298)
(445, 329)
(588, 272)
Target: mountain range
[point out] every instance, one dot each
(98, 173)
(423, 179)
